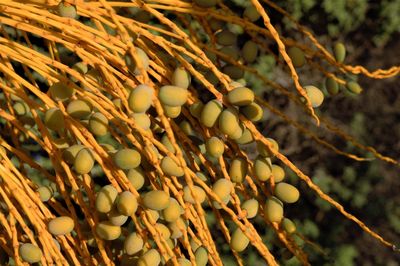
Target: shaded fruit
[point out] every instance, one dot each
(251, 13)
(210, 113)
(142, 120)
(173, 96)
(238, 170)
(339, 50)
(133, 244)
(263, 168)
(169, 167)
(198, 193)
(245, 138)
(150, 258)
(127, 159)
(79, 109)
(234, 72)
(278, 173)
(288, 226)
(264, 151)
(140, 98)
(84, 161)
(98, 124)
(107, 231)
(354, 87)
(250, 51)
(66, 10)
(167, 143)
(116, 218)
(228, 121)
(239, 240)
(105, 198)
(175, 226)
(297, 56)
(181, 78)
(251, 206)
(45, 193)
(133, 65)
(156, 200)
(231, 52)
(173, 211)
(286, 192)
(316, 96)
(172, 111)
(240, 96)
(80, 67)
(187, 128)
(136, 177)
(30, 253)
(331, 86)
(61, 225)
(20, 108)
(127, 203)
(215, 147)
(54, 119)
(273, 210)
(201, 256)
(60, 91)
(253, 112)
(226, 38)
(70, 153)
(196, 108)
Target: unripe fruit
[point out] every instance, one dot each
(184, 262)
(173, 96)
(66, 10)
(181, 78)
(20, 108)
(116, 218)
(61, 225)
(98, 124)
(264, 151)
(175, 226)
(226, 38)
(133, 65)
(127, 159)
(163, 230)
(339, 51)
(196, 108)
(251, 206)
(156, 200)
(263, 168)
(107, 231)
(142, 120)
(315, 95)
(79, 109)
(250, 51)
(273, 210)
(331, 86)
(133, 244)
(215, 24)
(105, 198)
(239, 240)
(150, 258)
(215, 147)
(286, 192)
(172, 111)
(140, 98)
(201, 256)
(288, 226)
(354, 87)
(171, 168)
(54, 119)
(245, 138)
(84, 162)
(81, 68)
(240, 96)
(229, 121)
(70, 153)
(60, 91)
(234, 72)
(197, 191)
(226, 200)
(210, 113)
(278, 173)
(253, 112)
(173, 211)
(167, 143)
(238, 170)
(45, 193)
(187, 128)
(136, 177)
(127, 203)
(251, 13)
(205, 3)
(223, 188)
(297, 56)
(30, 253)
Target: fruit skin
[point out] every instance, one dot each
(45, 193)
(253, 112)
(172, 95)
(278, 173)
(245, 138)
(181, 78)
(61, 225)
(229, 121)
(196, 108)
(132, 64)
(172, 111)
(241, 96)
(66, 10)
(210, 113)
(297, 56)
(133, 244)
(288, 226)
(54, 119)
(127, 159)
(273, 210)
(197, 191)
(136, 177)
(156, 200)
(264, 151)
(105, 198)
(150, 258)
(339, 51)
(30, 253)
(84, 162)
(239, 240)
(70, 153)
(354, 87)
(331, 86)
(286, 192)
(60, 91)
(263, 168)
(98, 124)
(226, 38)
(251, 13)
(315, 95)
(107, 231)
(238, 170)
(250, 51)
(223, 188)
(173, 211)
(234, 72)
(116, 218)
(201, 256)
(251, 206)
(169, 167)
(215, 147)
(140, 98)
(127, 203)
(79, 109)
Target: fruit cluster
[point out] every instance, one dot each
(124, 137)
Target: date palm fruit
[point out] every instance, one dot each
(184, 262)
(239, 240)
(339, 50)
(107, 231)
(105, 198)
(20, 108)
(30, 253)
(170, 167)
(133, 65)
(250, 51)
(142, 120)
(79, 109)
(173, 211)
(297, 56)
(66, 10)
(223, 188)
(231, 52)
(240, 96)
(201, 256)
(238, 170)
(229, 121)
(198, 193)
(245, 138)
(173, 95)
(286, 192)
(98, 124)
(234, 72)
(81, 68)
(150, 258)
(156, 200)
(251, 13)
(264, 151)
(61, 225)
(181, 78)
(84, 161)
(226, 38)
(278, 173)
(216, 24)
(187, 128)
(116, 218)
(354, 87)
(215, 147)
(126, 203)
(136, 177)
(172, 111)
(163, 230)
(263, 168)
(253, 112)
(45, 193)
(210, 113)
(196, 109)
(316, 96)
(59, 91)
(273, 210)
(54, 119)
(127, 158)
(331, 86)
(133, 243)
(167, 143)
(175, 226)
(140, 98)
(288, 226)
(251, 206)
(70, 153)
